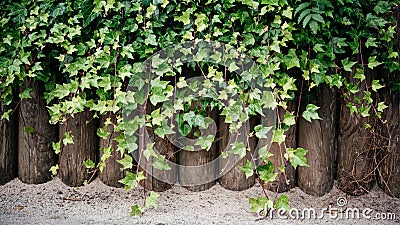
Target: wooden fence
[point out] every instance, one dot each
(340, 147)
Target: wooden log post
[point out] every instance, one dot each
(319, 137)
(286, 180)
(355, 156)
(198, 158)
(8, 145)
(389, 161)
(157, 180)
(235, 179)
(35, 137)
(112, 172)
(83, 129)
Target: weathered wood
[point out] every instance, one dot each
(157, 180)
(111, 173)
(284, 181)
(319, 137)
(8, 145)
(83, 129)
(198, 158)
(35, 137)
(235, 179)
(355, 156)
(389, 161)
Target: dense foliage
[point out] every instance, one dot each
(86, 51)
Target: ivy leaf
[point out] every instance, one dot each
(89, 164)
(261, 132)
(372, 62)
(282, 203)
(260, 204)
(268, 100)
(279, 136)
(238, 148)
(381, 106)
(28, 130)
(291, 60)
(347, 64)
(137, 210)
(297, 157)
(376, 85)
(129, 181)
(126, 162)
(68, 139)
(266, 172)
(54, 170)
(248, 169)
(56, 147)
(25, 94)
(289, 119)
(205, 142)
(151, 200)
(185, 18)
(6, 115)
(160, 163)
(311, 113)
(264, 153)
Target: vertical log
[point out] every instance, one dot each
(319, 138)
(355, 160)
(389, 163)
(389, 167)
(35, 137)
(8, 145)
(284, 181)
(83, 129)
(163, 147)
(235, 179)
(198, 158)
(111, 173)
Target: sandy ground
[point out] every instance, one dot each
(96, 203)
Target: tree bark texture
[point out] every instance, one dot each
(83, 129)
(35, 137)
(355, 156)
(8, 145)
(235, 179)
(111, 173)
(319, 137)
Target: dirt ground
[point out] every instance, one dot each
(96, 203)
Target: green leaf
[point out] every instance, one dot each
(25, 94)
(372, 62)
(266, 172)
(238, 148)
(126, 162)
(260, 204)
(185, 18)
(289, 119)
(376, 85)
(268, 100)
(381, 106)
(6, 115)
(205, 142)
(248, 169)
(282, 203)
(137, 210)
(130, 180)
(347, 65)
(297, 157)
(54, 170)
(261, 132)
(89, 164)
(264, 153)
(311, 113)
(279, 136)
(28, 130)
(56, 147)
(151, 200)
(291, 60)
(68, 138)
